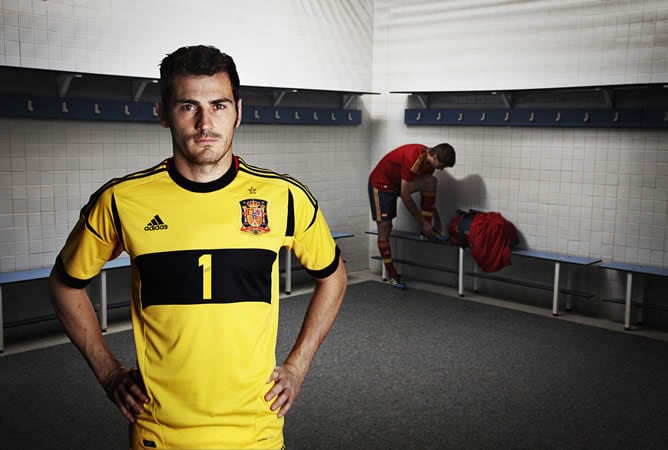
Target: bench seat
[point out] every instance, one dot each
(631, 269)
(557, 258)
(20, 276)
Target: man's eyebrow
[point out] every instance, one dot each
(186, 100)
(197, 102)
(221, 100)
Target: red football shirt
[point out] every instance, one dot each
(403, 163)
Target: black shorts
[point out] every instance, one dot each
(383, 204)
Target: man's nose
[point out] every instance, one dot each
(205, 121)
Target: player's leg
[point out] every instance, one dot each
(427, 186)
(383, 210)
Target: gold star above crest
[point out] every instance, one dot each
(251, 190)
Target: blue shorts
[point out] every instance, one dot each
(383, 204)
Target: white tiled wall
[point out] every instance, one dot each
(48, 170)
(600, 193)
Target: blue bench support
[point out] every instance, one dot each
(288, 261)
(43, 273)
(630, 269)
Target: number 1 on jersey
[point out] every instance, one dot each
(205, 263)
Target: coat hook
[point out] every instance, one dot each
(616, 118)
(506, 118)
(558, 118)
(460, 117)
(96, 108)
(350, 117)
(586, 117)
(419, 116)
(64, 107)
(30, 106)
(438, 116)
(532, 117)
(297, 115)
(155, 112)
(332, 117)
(276, 115)
(315, 115)
(483, 116)
(665, 116)
(256, 114)
(126, 110)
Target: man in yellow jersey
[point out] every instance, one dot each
(203, 230)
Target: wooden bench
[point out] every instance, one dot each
(43, 273)
(557, 258)
(630, 269)
(288, 261)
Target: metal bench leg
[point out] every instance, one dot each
(383, 271)
(461, 272)
(2, 328)
(569, 281)
(475, 279)
(555, 292)
(627, 303)
(103, 300)
(288, 271)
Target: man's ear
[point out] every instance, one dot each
(163, 115)
(239, 114)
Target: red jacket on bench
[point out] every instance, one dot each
(489, 235)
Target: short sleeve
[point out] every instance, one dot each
(313, 244)
(92, 242)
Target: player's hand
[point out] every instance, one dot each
(287, 386)
(438, 227)
(126, 389)
(427, 231)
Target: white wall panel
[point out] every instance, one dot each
(520, 44)
(290, 43)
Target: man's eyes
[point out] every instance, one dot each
(188, 107)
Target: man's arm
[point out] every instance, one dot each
(408, 188)
(75, 311)
(320, 315)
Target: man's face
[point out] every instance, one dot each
(202, 117)
(435, 162)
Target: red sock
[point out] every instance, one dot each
(386, 254)
(427, 202)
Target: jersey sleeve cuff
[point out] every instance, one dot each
(70, 281)
(327, 271)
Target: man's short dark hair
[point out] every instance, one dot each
(445, 154)
(196, 60)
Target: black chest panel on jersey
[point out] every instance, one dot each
(191, 277)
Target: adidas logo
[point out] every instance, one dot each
(156, 224)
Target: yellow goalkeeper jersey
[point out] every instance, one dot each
(205, 291)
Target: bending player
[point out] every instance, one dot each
(400, 173)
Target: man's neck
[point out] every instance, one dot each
(203, 173)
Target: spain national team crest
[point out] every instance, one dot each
(254, 216)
